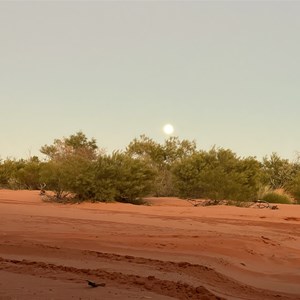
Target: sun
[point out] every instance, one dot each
(168, 129)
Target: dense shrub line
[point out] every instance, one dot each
(175, 168)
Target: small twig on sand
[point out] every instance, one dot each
(94, 284)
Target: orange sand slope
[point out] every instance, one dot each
(169, 250)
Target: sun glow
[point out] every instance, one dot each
(168, 129)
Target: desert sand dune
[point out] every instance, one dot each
(167, 250)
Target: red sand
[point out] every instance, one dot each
(169, 250)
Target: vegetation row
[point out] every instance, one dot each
(76, 166)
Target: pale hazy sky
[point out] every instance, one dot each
(223, 73)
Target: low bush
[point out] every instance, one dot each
(273, 197)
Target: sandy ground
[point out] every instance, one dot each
(168, 250)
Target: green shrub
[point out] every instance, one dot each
(293, 187)
(217, 175)
(273, 197)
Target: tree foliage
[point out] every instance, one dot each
(161, 157)
(20, 174)
(75, 165)
(8, 170)
(75, 145)
(69, 164)
(277, 171)
(217, 174)
(28, 174)
(293, 184)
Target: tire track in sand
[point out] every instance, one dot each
(209, 278)
(177, 290)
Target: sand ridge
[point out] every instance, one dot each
(168, 250)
